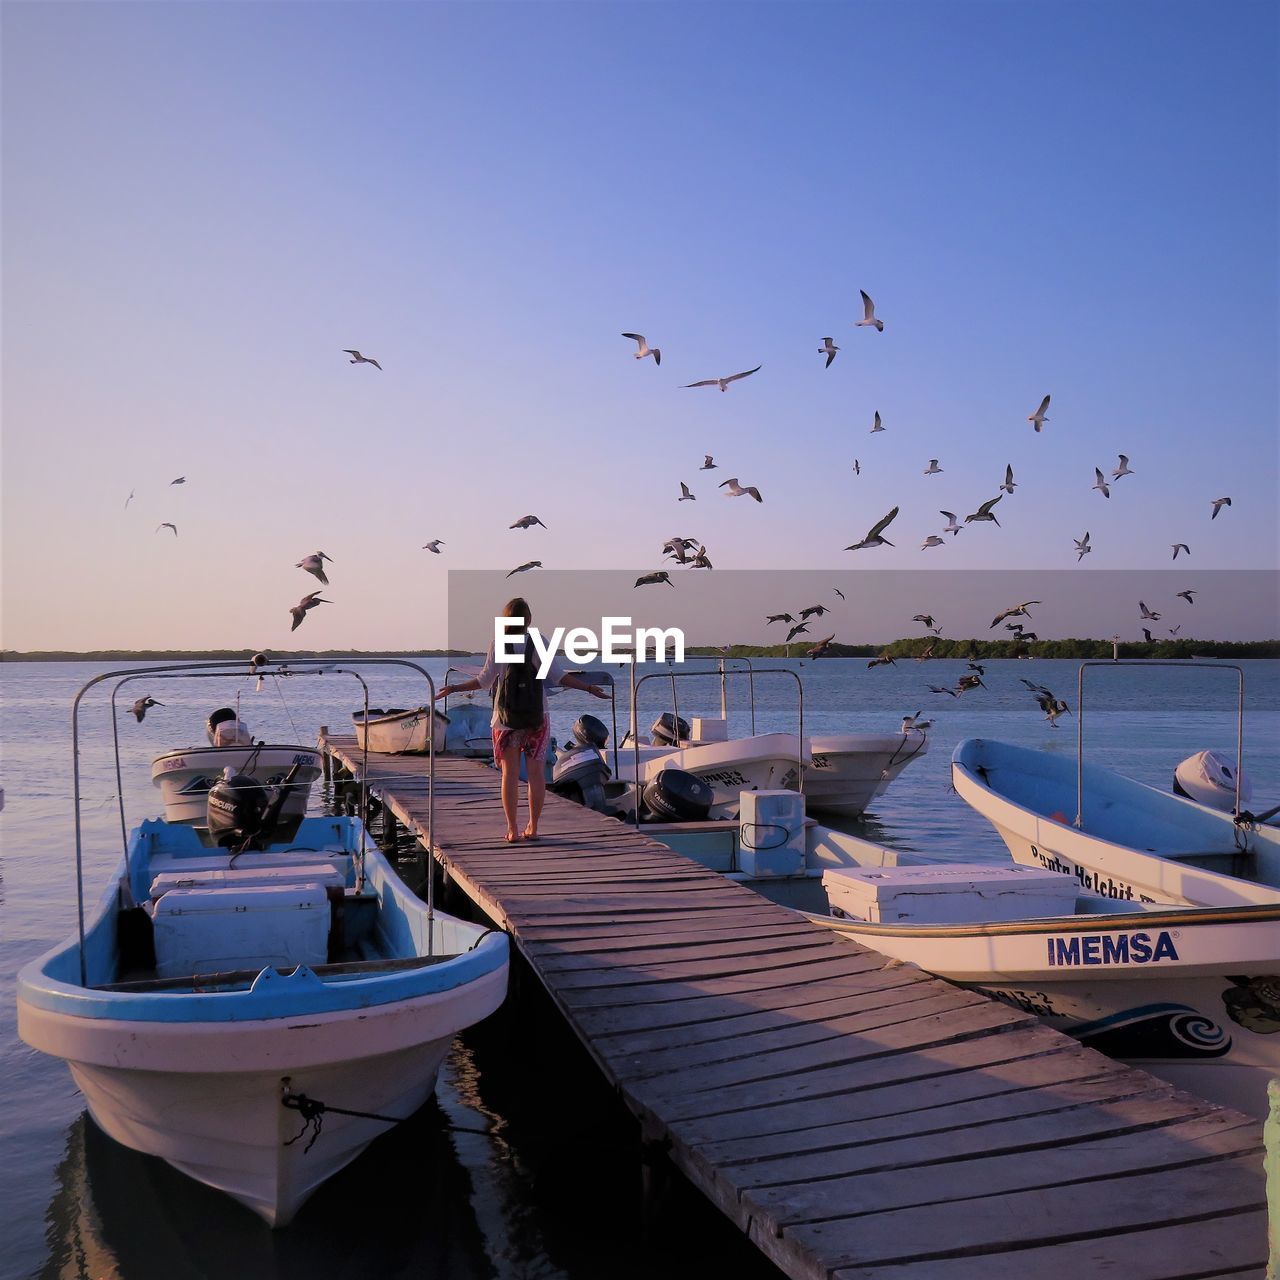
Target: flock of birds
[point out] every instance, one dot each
(691, 553)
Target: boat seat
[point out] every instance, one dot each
(1232, 862)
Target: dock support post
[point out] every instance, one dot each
(655, 1177)
(326, 760)
(390, 829)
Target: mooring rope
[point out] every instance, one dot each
(313, 1113)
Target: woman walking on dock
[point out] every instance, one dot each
(521, 723)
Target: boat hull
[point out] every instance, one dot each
(400, 733)
(184, 777)
(847, 771)
(1192, 996)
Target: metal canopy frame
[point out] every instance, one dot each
(237, 669)
(1112, 665)
(751, 674)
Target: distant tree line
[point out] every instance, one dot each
(916, 646)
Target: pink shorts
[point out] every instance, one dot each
(533, 742)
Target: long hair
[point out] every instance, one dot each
(518, 607)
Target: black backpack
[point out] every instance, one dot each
(518, 694)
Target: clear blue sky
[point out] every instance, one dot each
(204, 203)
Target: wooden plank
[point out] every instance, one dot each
(960, 1170)
(743, 1048)
(816, 1069)
(1147, 1253)
(971, 1069)
(1038, 1216)
(776, 1010)
(753, 1158)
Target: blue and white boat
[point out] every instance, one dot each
(1120, 838)
(256, 1016)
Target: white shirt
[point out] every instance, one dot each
(492, 669)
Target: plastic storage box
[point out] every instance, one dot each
(950, 894)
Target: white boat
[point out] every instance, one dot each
(184, 777)
(256, 1013)
(1191, 994)
(847, 771)
(399, 732)
(1133, 842)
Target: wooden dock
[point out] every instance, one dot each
(858, 1119)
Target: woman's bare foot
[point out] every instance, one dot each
(530, 832)
(514, 837)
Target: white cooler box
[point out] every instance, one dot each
(244, 875)
(209, 931)
(951, 894)
(771, 834)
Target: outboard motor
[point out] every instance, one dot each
(676, 795)
(225, 729)
(580, 773)
(588, 731)
(1210, 779)
(668, 729)
(242, 813)
(237, 807)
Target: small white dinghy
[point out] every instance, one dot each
(1133, 842)
(185, 777)
(400, 732)
(258, 1012)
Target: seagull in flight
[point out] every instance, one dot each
(167, 525)
(984, 512)
(128, 500)
(1123, 469)
(1173, 631)
(875, 426)
(524, 568)
(926, 618)
(315, 565)
(1018, 611)
(1218, 504)
(829, 348)
(357, 358)
(933, 469)
(875, 536)
(937, 688)
(644, 348)
(143, 705)
(526, 522)
(886, 659)
(1100, 483)
(723, 383)
(931, 541)
(652, 579)
(1187, 595)
(708, 463)
(952, 528)
(1082, 547)
(433, 546)
(738, 491)
(778, 617)
(838, 592)
(1009, 484)
(685, 495)
(299, 610)
(868, 314)
(1146, 613)
(820, 648)
(857, 467)
(1147, 636)
(1179, 546)
(1038, 419)
(796, 630)
(179, 480)
(814, 610)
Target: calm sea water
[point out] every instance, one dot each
(524, 1165)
